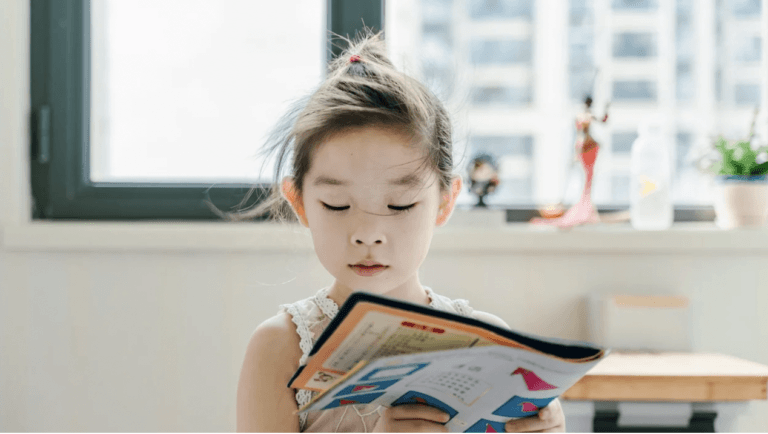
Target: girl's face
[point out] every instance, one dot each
(371, 205)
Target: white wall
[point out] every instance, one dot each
(152, 340)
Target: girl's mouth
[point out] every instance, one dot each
(368, 270)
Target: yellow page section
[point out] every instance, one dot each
(379, 334)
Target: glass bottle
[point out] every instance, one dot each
(651, 174)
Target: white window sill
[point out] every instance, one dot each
(512, 238)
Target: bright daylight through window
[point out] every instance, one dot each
(195, 104)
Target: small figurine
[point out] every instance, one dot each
(483, 177)
(584, 211)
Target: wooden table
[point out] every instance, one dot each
(629, 392)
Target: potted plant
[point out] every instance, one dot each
(741, 182)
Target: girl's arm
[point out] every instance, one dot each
(264, 402)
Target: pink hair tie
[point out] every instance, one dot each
(354, 58)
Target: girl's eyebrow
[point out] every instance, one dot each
(410, 180)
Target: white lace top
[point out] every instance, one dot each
(311, 316)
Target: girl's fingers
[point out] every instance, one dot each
(418, 411)
(549, 419)
(532, 424)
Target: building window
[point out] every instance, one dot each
(500, 9)
(622, 142)
(634, 90)
(502, 145)
(488, 52)
(501, 96)
(634, 45)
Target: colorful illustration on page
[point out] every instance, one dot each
(365, 398)
(484, 425)
(393, 372)
(532, 381)
(520, 407)
(371, 386)
(421, 398)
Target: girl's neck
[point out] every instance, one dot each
(411, 291)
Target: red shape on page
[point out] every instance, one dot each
(363, 387)
(532, 381)
(346, 402)
(489, 428)
(528, 407)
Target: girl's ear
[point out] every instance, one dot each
(448, 201)
(291, 194)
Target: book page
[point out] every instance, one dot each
(382, 335)
(372, 327)
(480, 388)
(371, 332)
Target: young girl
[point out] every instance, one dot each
(371, 179)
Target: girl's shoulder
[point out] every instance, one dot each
(489, 318)
(277, 335)
(271, 357)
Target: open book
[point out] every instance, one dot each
(379, 350)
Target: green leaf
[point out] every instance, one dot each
(720, 144)
(760, 169)
(717, 167)
(728, 168)
(738, 168)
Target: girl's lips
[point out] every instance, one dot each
(365, 270)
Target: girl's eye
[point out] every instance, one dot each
(335, 208)
(401, 208)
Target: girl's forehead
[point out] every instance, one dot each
(369, 155)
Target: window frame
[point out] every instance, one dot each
(60, 129)
(60, 119)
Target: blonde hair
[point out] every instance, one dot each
(362, 88)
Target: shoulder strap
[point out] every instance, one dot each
(305, 335)
(305, 343)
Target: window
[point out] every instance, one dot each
(133, 121)
(512, 72)
(634, 45)
(520, 70)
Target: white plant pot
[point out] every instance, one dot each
(741, 201)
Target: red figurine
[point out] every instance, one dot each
(584, 211)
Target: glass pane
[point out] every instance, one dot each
(186, 91)
(505, 96)
(500, 9)
(518, 73)
(634, 45)
(501, 51)
(634, 4)
(634, 90)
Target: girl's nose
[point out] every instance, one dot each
(368, 237)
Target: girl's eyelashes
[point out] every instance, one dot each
(397, 209)
(335, 208)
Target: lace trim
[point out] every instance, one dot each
(303, 396)
(432, 298)
(328, 306)
(305, 343)
(305, 335)
(363, 415)
(462, 307)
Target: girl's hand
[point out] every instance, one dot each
(549, 419)
(412, 418)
